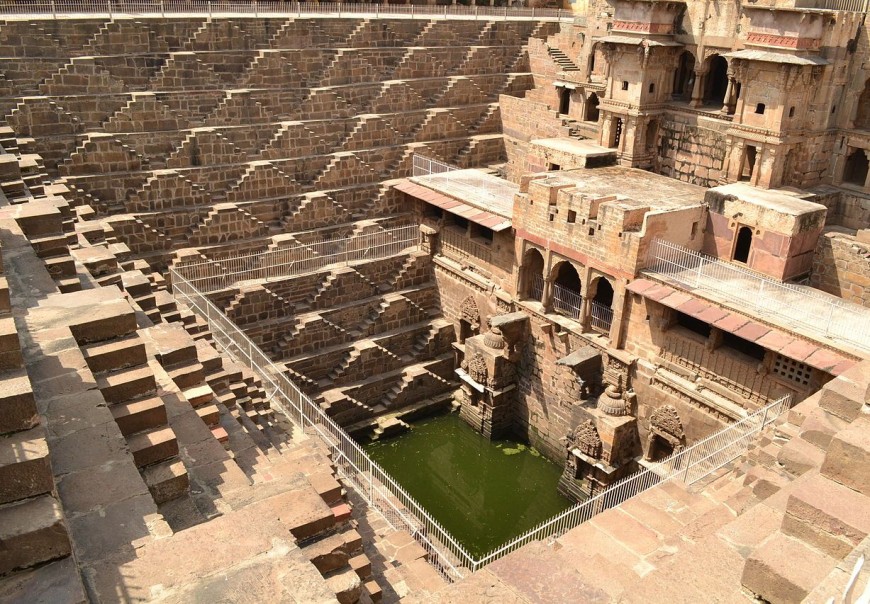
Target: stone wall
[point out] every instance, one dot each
(841, 266)
(692, 150)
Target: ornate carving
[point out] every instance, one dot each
(468, 311)
(585, 438)
(612, 402)
(666, 421)
(476, 368)
(493, 338)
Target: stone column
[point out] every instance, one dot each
(547, 298)
(698, 89)
(730, 101)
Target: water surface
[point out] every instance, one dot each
(483, 492)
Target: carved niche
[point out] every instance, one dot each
(586, 439)
(469, 312)
(476, 368)
(666, 421)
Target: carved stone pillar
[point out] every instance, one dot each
(698, 89)
(730, 94)
(547, 298)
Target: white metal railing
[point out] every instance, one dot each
(354, 466)
(600, 317)
(162, 8)
(689, 466)
(400, 509)
(816, 312)
(853, 6)
(469, 185)
(213, 275)
(567, 302)
(423, 166)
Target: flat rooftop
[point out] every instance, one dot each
(475, 188)
(778, 200)
(575, 147)
(629, 185)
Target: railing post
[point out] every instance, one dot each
(209, 9)
(763, 418)
(53, 10)
(109, 6)
(700, 270)
(162, 9)
(256, 10)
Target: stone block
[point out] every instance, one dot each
(25, 470)
(328, 554)
(58, 581)
(32, 532)
(849, 457)
(153, 446)
(843, 396)
(17, 404)
(115, 354)
(127, 384)
(785, 570)
(346, 586)
(138, 415)
(828, 516)
(10, 348)
(167, 480)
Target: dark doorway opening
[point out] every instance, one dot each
(855, 171)
(592, 108)
(564, 101)
(717, 81)
(743, 245)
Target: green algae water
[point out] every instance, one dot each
(483, 492)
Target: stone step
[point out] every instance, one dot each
(374, 591)
(10, 347)
(17, 402)
(784, 569)
(199, 395)
(32, 532)
(57, 581)
(117, 354)
(327, 486)
(152, 446)
(25, 469)
(166, 480)
(827, 516)
(346, 585)
(209, 414)
(187, 375)
(127, 384)
(362, 566)
(849, 457)
(139, 415)
(328, 554)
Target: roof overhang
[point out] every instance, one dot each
(762, 334)
(486, 219)
(768, 56)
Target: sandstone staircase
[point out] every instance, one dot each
(561, 59)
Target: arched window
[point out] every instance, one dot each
(601, 306)
(591, 108)
(717, 80)
(684, 76)
(855, 171)
(532, 275)
(566, 290)
(743, 245)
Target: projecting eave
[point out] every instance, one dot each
(631, 40)
(484, 218)
(768, 56)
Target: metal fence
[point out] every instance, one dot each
(424, 166)
(162, 8)
(794, 305)
(353, 465)
(536, 290)
(689, 466)
(600, 317)
(567, 302)
(852, 6)
(213, 275)
(400, 509)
